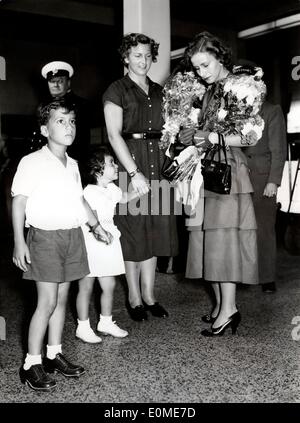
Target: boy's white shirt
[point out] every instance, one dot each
(54, 191)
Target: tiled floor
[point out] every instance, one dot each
(167, 360)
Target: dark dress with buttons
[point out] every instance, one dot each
(148, 224)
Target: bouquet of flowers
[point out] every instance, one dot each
(180, 94)
(233, 109)
(237, 103)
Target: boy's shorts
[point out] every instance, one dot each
(56, 256)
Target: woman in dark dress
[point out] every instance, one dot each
(132, 109)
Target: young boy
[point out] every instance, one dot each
(47, 193)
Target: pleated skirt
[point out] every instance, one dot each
(225, 249)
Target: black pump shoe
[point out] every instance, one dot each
(207, 318)
(156, 310)
(137, 313)
(232, 322)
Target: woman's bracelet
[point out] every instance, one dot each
(134, 172)
(93, 227)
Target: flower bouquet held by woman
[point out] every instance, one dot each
(183, 93)
(237, 102)
(234, 110)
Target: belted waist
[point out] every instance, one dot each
(141, 135)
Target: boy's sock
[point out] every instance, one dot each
(31, 360)
(52, 350)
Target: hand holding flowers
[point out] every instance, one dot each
(180, 93)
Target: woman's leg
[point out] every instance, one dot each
(46, 303)
(85, 289)
(147, 280)
(107, 285)
(57, 319)
(216, 288)
(228, 303)
(133, 270)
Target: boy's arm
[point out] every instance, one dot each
(21, 254)
(99, 233)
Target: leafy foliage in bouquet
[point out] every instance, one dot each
(236, 105)
(180, 94)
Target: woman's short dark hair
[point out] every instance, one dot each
(95, 165)
(132, 40)
(207, 42)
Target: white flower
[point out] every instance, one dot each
(194, 114)
(250, 128)
(242, 92)
(250, 99)
(222, 113)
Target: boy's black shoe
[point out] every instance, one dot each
(37, 378)
(60, 364)
(268, 287)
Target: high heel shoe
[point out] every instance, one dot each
(207, 318)
(232, 322)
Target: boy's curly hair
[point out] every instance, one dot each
(132, 40)
(44, 109)
(207, 42)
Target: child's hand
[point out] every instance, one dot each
(140, 184)
(21, 256)
(102, 235)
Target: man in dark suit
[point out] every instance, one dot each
(58, 75)
(266, 161)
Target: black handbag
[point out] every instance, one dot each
(216, 174)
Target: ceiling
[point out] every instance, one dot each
(187, 16)
(232, 14)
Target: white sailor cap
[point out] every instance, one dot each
(57, 68)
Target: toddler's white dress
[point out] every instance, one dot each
(104, 260)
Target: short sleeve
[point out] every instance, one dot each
(116, 193)
(113, 94)
(26, 177)
(89, 195)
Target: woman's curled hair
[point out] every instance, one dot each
(132, 40)
(207, 42)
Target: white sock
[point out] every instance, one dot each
(52, 350)
(105, 319)
(84, 324)
(31, 360)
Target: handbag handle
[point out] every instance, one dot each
(221, 143)
(220, 146)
